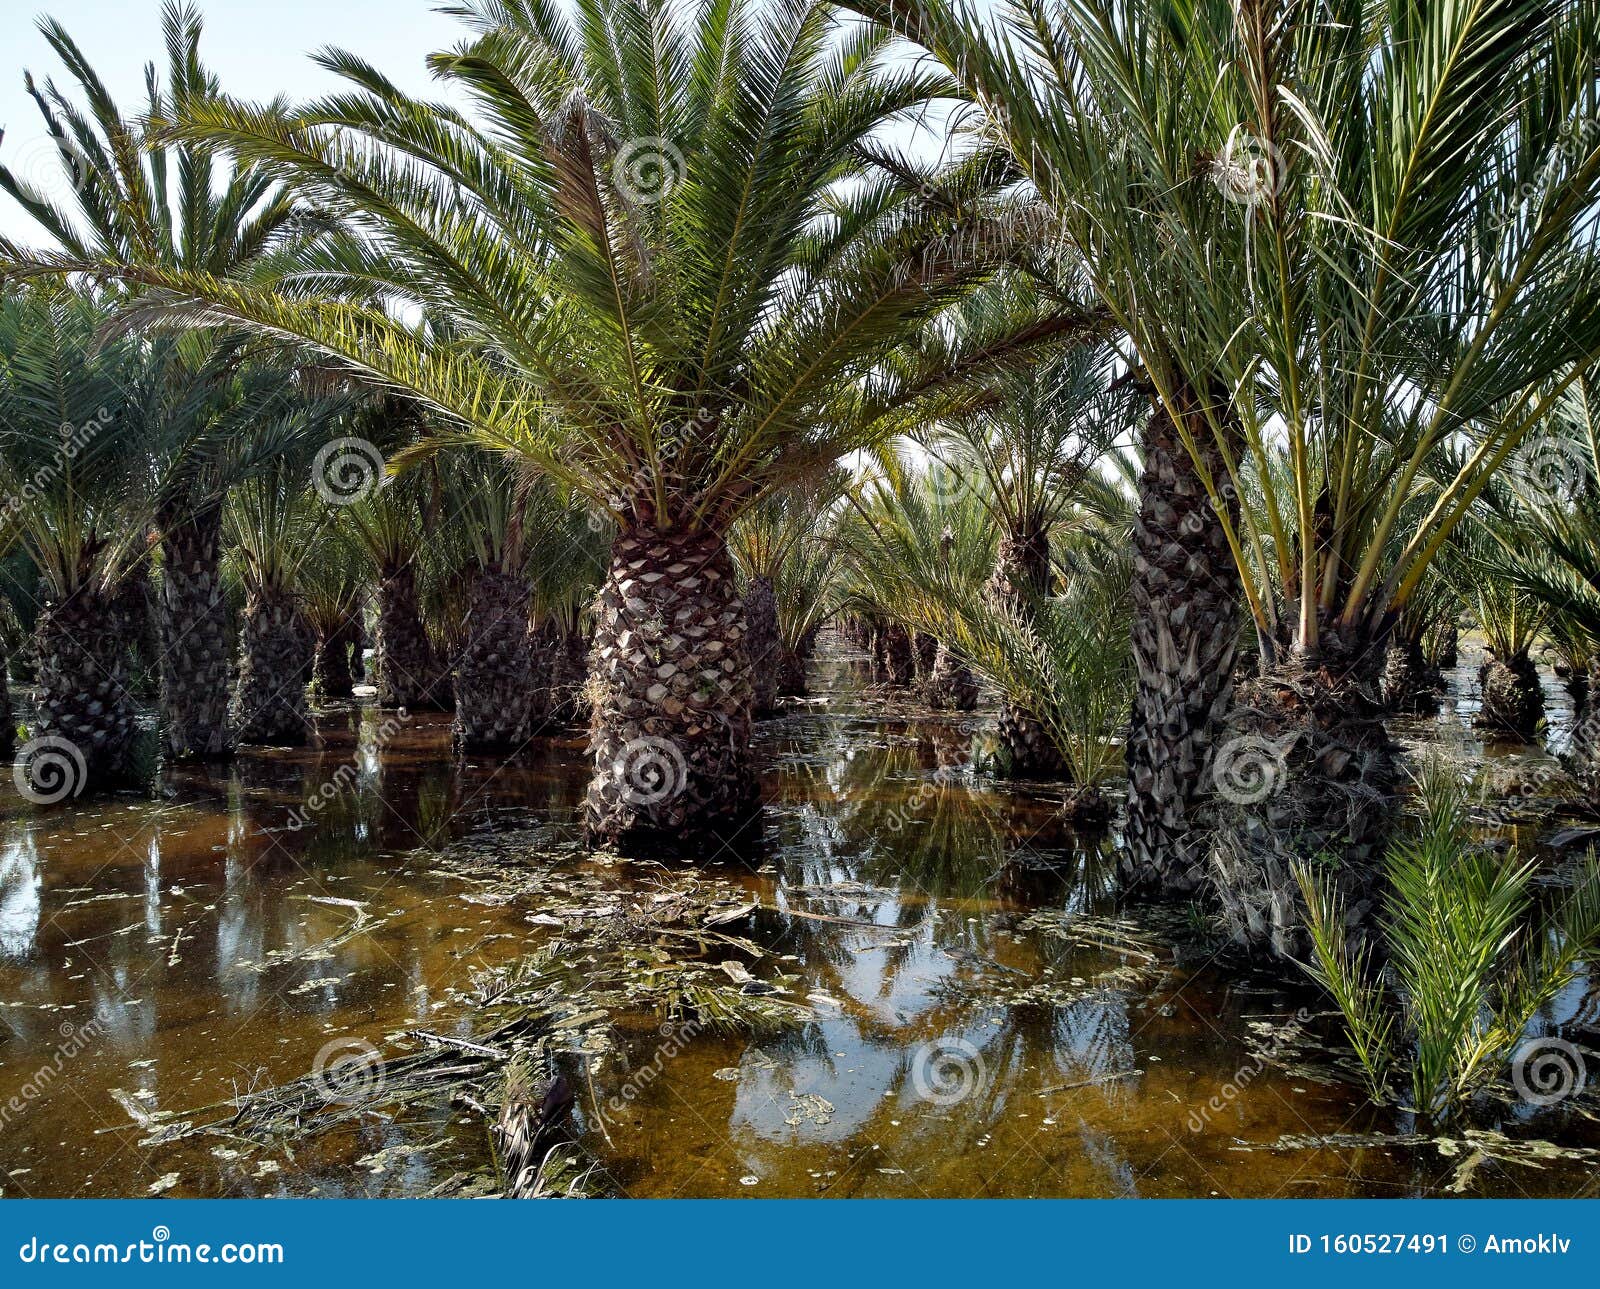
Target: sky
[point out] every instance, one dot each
(257, 48)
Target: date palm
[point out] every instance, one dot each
(1028, 447)
(658, 255)
(138, 198)
(71, 418)
(1347, 232)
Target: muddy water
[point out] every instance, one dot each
(160, 956)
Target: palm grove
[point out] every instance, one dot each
(1183, 399)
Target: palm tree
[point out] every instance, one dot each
(568, 548)
(71, 417)
(1029, 446)
(333, 590)
(273, 527)
(389, 525)
(1304, 259)
(665, 253)
(144, 201)
(783, 550)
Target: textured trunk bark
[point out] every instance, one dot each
(1448, 651)
(1583, 758)
(331, 674)
(87, 721)
(569, 675)
(408, 673)
(792, 664)
(1022, 576)
(1410, 685)
(951, 685)
(1308, 774)
(925, 653)
(762, 642)
(196, 642)
(892, 655)
(1185, 637)
(1513, 699)
(670, 680)
(498, 697)
(269, 706)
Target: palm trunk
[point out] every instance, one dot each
(792, 663)
(269, 706)
(1020, 579)
(670, 679)
(408, 673)
(1583, 757)
(761, 642)
(1447, 647)
(1185, 637)
(951, 685)
(1513, 699)
(1309, 777)
(1409, 684)
(331, 674)
(892, 657)
(83, 699)
(196, 640)
(497, 692)
(569, 674)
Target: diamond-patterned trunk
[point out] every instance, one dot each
(1308, 774)
(1185, 635)
(670, 678)
(196, 640)
(8, 721)
(1410, 685)
(275, 648)
(951, 686)
(408, 673)
(762, 642)
(1513, 699)
(81, 687)
(331, 674)
(498, 697)
(1021, 577)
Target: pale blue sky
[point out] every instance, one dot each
(258, 49)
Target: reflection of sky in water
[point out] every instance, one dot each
(19, 897)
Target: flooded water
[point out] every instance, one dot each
(983, 1021)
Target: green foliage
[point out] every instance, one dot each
(1470, 960)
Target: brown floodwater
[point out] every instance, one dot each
(162, 955)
